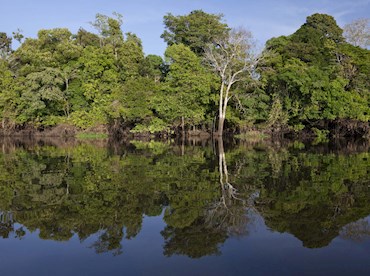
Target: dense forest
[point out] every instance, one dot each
(211, 80)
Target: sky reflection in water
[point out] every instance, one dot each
(160, 208)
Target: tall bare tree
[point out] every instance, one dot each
(234, 59)
(358, 32)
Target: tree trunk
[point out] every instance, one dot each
(183, 145)
(66, 111)
(220, 129)
(183, 126)
(228, 191)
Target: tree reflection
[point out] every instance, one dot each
(195, 240)
(205, 195)
(6, 224)
(313, 196)
(357, 231)
(198, 227)
(229, 213)
(109, 240)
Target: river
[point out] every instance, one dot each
(184, 208)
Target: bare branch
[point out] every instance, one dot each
(358, 32)
(233, 59)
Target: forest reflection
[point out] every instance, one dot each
(206, 191)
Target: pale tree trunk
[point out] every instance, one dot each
(220, 128)
(233, 59)
(183, 126)
(183, 145)
(222, 167)
(228, 192)
(66, 103)
(221, 115)
(182, 136)
(224, 99)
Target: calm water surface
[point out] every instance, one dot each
(199, 208)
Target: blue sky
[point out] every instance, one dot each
(265, 18)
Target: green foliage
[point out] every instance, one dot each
(87, 79)
(7, 93)
(155, 125)
(89, 135)
(133, 100)
(321, 135)
(86, 119)
(153, 67)
(130, 56)
(85, 38)
(109, 28)
(62, 77)
(317, 75)
(194, 30)
(277, 117)
(187, 88)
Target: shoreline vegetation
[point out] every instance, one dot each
(339, 130)
(338, 146)
(324, 131)
(313, 83)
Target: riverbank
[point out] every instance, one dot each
(322, 130)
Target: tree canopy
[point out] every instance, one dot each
(308, 79)
(313, 72)
(194, 30)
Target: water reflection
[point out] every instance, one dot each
(206, 194)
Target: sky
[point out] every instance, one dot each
(264, 18)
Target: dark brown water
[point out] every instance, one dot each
(200, 208)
